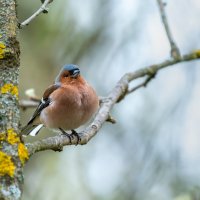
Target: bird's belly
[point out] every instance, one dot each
(67, 117)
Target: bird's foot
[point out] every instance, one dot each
(74, 133)
(70, 136)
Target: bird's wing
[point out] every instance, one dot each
(45, 101)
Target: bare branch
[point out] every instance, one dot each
(24, 104)
(32, 17)
(175, 53)
(143, 84)
(118, 92)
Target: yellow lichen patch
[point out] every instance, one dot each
(6, 165)
(6, 88)
(2, 46)
(23, 153)
(2, 136)
(12, 138)
(10, 88)
(14, 91)
(2, 50)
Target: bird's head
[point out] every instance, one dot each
(68, 74)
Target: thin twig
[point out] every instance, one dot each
(24, 104)
(143, 84)
(121, 88)
(40, 10)
(175, 53)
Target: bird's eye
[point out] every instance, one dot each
(66, 75)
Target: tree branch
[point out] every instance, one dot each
(24, 104)
(116, 95)
(175, 53)
(32, 17)
(143, 84)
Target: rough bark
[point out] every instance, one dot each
(12, 152)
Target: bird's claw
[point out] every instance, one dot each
(66, 134)
(71, 136)
(74, 133)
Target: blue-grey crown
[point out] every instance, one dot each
(70, 67)
(73, 70)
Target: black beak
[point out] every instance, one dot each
(75, 73)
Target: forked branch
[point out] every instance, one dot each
(116, 95)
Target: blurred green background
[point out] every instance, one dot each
(153, 150)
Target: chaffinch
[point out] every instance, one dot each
(67, 104)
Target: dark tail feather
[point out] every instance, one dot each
(31, 129)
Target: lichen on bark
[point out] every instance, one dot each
(11, 166)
